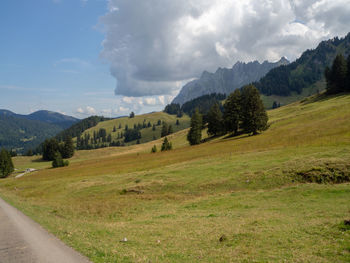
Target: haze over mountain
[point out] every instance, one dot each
(23, 132)
(226, 80)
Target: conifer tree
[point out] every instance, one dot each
(170, 129)
(154, 149)
(68, 148)
(253, 113)
(348, 74)
(6, 165)
(336, 76)
(232, 111)
(194, 136)
(177, 122)
(165, 129)
(215, 120)
(166, 146)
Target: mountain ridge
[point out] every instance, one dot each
(225, 80)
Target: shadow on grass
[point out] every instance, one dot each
(322, 97)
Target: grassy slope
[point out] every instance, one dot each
(238, 187)
(147, 134)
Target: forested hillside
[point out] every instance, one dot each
(25, 132)
(305, 72)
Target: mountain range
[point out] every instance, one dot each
(24, 132)
(304, 76)
(226, 80)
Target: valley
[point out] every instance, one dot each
(230, 199)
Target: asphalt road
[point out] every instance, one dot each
(24, 241)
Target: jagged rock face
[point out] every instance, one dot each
(226, 80)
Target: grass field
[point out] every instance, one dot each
(227, 200)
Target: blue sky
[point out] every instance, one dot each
(111, 57)
(49, 55)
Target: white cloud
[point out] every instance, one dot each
(169, 41)
(88, 110)
(149, 101)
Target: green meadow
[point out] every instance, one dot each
(230, 199)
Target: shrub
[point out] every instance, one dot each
(166, 146)
(58, 161)
(154, 149)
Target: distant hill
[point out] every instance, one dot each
(24, 132)
(226, 80)
(52, 117)
(307, 72)
(149, 125)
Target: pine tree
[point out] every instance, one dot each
(194, 136)
(6, 165)
(170, 129)
(50, 147)
(68, 148)
(348, 75)
(215, 120)
(154, 149)
(232, 111)
(165, 129)
(166, 146)
(253, 113)
(153, 127)
(177, 122)
(336, 76)
(114, 128)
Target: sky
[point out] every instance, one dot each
(111, 57)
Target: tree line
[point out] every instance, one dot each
(243, 112)
(6, 164)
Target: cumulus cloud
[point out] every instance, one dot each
(88, 110)
(152, 45)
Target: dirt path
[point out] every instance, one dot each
(23, 240)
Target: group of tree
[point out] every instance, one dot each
(78, 128)
(243, 112)
(202, 103)
(338, 75)
(166, 130)
(6, 165)
(51, 148)
(132, 135)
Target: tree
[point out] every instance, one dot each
(170, 129)
(166, 146)
(253, 113)
(153, 127)
(50, 147)
(232, 111)
(114, 128)
(336, 75)
(68, 148)
(194, 136)
(132, 115)
(6, 164)
(165, 129)
(215, 120)
(58, 161)
(154, 149)
(348, 74)
(177, 122)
